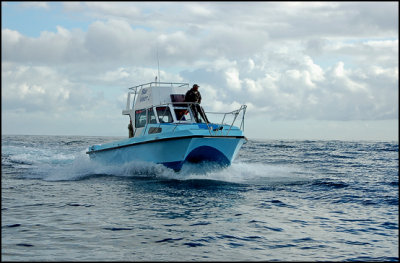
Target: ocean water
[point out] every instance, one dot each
(278, 201)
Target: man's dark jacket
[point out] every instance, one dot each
(193, 96)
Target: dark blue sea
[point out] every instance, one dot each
(278, 201)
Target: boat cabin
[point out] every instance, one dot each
(159, 103)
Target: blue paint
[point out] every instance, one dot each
(207, 153)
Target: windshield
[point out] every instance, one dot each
(164, 114)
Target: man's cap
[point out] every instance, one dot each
(195, 85)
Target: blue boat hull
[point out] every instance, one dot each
(173, 152)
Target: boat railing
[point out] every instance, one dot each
(159, 84)
(225, 118)
(229, 118)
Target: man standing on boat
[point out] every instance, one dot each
(193, 95)
(130, 128)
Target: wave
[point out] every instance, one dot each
(242, 172)
(55, 162)
(80, 167)
(84, 168)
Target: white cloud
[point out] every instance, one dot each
(12, 37)
(287, 61)
(73, 6)
(111, 10)
(41, 89)
(232, 79)
(198, 9)
(252, 86)
(43, 5)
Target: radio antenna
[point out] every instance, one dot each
(158, 65)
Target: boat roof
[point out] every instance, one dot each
(157, 93)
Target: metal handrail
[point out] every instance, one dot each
(234, 112)
(151, 84)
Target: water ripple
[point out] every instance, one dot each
(278, 201)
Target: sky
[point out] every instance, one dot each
(305, 70)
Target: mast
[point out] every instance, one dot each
(158, 66)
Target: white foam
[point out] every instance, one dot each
(60, 167)
(30, 155)
(81, 167)
(239, 172)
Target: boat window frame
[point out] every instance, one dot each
(137, 126)
(150, 112)
(159, 118)
(183, 107)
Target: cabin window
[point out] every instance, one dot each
(151, 118)
(164, 114)
(179, 98)
(140, 118)
(155, 130)
(182, 114)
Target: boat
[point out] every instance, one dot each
(167, 131)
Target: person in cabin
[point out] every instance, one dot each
(193, 95)
(180, 115)
(130, 128)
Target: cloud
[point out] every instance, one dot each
(199, 10)
(73, 6)
(286, 61)
(307, 91)
(42, 89)
(232, 79)
(111, 10)
(43, 5)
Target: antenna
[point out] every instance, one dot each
(158, 65)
